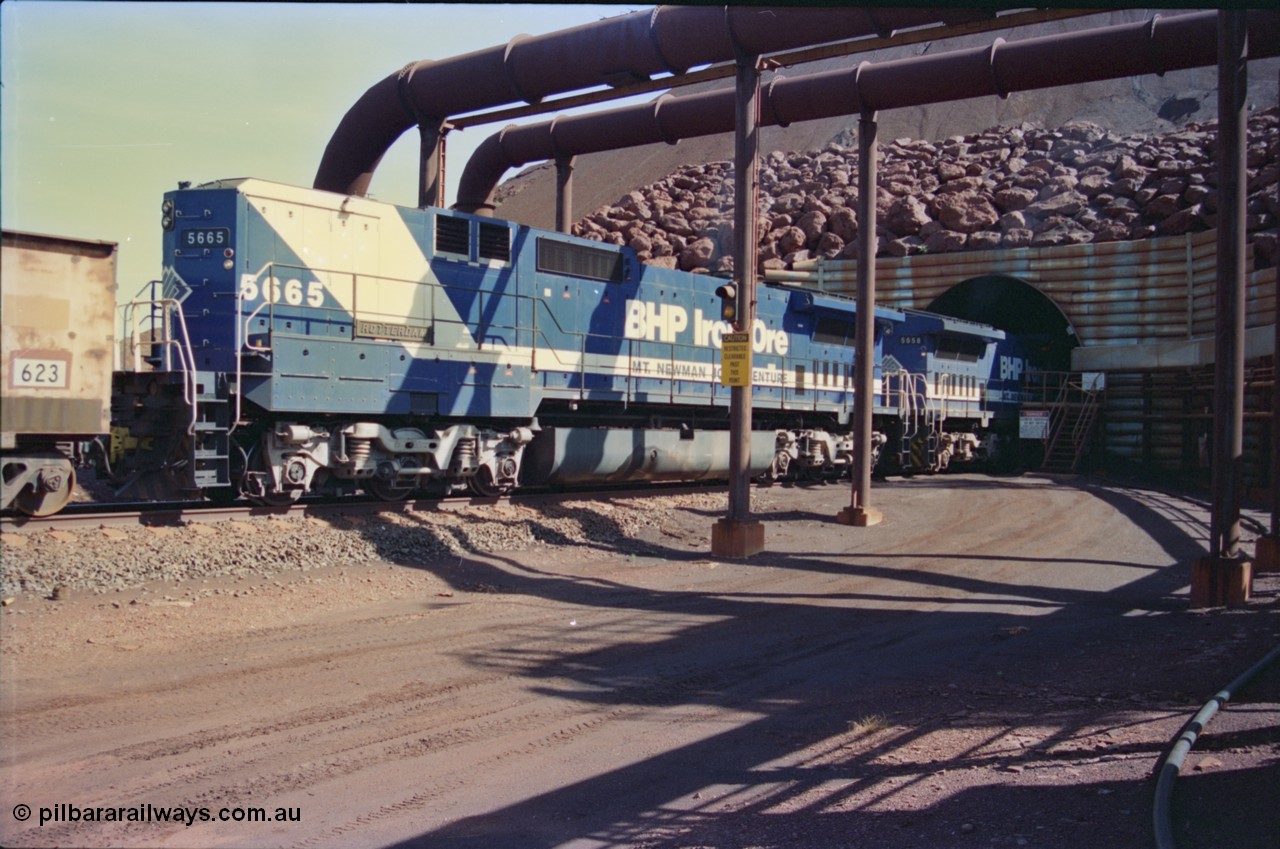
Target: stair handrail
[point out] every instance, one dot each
(1073, 394)
(1084, 423)
(170, 315)
(1057, 413)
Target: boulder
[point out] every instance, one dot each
(906, 246)
(1058, 231)
(984, 240)
(1162, 206)
(698, 254)
(1066, 204)
(830, 245)
(1016, 238)
(1015, 198)
(906, 216)
(843, 223)
(813, 225)
(945, 241)
(792, 239)
(1002, 188)
(966, 212)
(1182, 221)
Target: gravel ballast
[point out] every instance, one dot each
(105, 560)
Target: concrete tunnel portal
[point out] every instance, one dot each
(1016, 307)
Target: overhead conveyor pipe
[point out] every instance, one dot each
(613, 51)
(1153, 46)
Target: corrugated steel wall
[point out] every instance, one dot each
(1114, 293)
(1161, 420)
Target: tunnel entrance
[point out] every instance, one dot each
(1016, 307)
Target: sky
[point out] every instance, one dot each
(104, 106)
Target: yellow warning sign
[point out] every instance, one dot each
(735, 359)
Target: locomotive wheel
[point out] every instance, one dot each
(386, 490)
(481, 484)
(268, 499)
(39, 504)
(812, 474)
(781, 469)
(277, 499)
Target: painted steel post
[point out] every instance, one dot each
(736, 535)
(564, 192)
(431, 158)
(859, 512)
(1275, 412)
(1224, 576)
(1267, 551)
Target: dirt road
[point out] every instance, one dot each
(998, 664)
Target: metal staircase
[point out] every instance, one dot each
(177, 419)
(211, 434)
(1071, 420)
(922, 422)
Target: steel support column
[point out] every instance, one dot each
(1224, 576)
(859, 512)
(431, 158)
(1267, 554)
(737, 535)
(564, 192)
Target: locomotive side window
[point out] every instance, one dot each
(495, 242)
(833, 331)
(962, 348)
(580, 261)
(453, 236)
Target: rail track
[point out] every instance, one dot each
(128, 514)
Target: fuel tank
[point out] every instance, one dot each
(560, 455)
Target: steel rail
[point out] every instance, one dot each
(86, 515)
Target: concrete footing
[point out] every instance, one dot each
(1268, 555)
(1221, 581)
(860, 517)
(730, 538)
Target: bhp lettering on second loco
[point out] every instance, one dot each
(668, 322)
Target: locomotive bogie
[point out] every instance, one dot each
(38, 484)
(391, 463)
(956, 447)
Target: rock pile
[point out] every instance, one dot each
(1007, 187)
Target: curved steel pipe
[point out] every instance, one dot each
(635, 46)
(1153, 46)
(1171, 764)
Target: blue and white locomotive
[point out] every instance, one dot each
(303, 341)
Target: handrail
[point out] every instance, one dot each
(1072, 394)
(163, 310)
(261, 349)
(1056, 416)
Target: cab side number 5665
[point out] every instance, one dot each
(289, 292)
